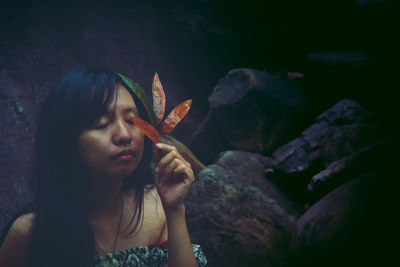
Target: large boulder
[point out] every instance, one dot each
(238, 216)
(18, 100)
(251, 111)
(342, 140)
(351, 225)
(362, 160)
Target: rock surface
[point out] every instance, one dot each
(238, 216)
(16, 126)
(345, 134)
(242, 207)
(347, 227)
(251, 111)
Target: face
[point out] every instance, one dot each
(113, 146)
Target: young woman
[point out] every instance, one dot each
(97, 202)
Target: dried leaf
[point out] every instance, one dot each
(175, 116)
(138, 91)
(147, 129)
(158, 99)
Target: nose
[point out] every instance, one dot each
(122, 134)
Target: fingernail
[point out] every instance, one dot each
(156, 170)
(158, 145)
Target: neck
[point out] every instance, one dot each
(104, 199)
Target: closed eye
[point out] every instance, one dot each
(130, 119)
(101, 126)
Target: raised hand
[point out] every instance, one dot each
(173, 176)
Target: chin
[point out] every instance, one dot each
(124, 172)
(122, 169)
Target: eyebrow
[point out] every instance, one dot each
(125, 110)
(130, 109)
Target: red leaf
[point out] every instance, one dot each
(147, 129)
(175, 116)
(158, 98)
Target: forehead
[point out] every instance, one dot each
(122, 100)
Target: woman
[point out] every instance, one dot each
(96, 202)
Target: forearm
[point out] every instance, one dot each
(180, 252)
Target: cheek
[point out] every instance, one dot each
(140, 144)
(141, 140)
(91, 149)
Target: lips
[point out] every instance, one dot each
(125, 155)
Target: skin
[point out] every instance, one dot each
(113, 133)
(164, 209)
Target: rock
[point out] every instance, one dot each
(18, 101)
(340, 171)
(336, 132)
(350, 225)
(340, 136)
(19, 107)
(238, 216)
(330, 212)
(251, 111)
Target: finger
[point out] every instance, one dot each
(167, 159)
(184, 173)
(169, 148)
(157, 178)
(158, 154)
(163, 164)
(171, 168)
(165, 147)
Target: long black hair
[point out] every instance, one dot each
(62, 235)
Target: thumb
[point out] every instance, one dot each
(158, 154)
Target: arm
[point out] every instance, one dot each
(14, 250)
(174, 177)
(180, 252)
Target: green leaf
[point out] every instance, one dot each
(138, 91)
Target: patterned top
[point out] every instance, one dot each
(152, 255)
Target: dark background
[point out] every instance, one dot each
(191, 44)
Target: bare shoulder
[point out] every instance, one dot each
(151, 195)
(151, 202)
(150, 191)
(14, 249)
(22, 226)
